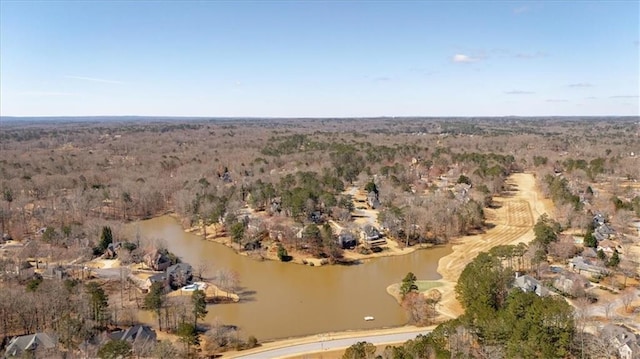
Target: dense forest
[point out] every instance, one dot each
(430, 180)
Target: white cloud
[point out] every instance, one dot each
(521, 9)
(94, 79)
(462, 59)
(519, 92)
(556, 100)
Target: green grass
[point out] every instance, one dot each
(424, 285)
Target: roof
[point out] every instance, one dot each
(135, 334)
(160, 277)
(371, 231)
(621, 337)
(184, 267)
(346, 235)
(530, 284)
(35, 341)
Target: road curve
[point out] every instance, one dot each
(325, 342)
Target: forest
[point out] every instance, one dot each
(292, 182)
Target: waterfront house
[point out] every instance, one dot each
(371, 236)
(346, 240)
(179, 274)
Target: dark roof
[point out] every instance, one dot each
(23, 343)
(135, 334)
(345, 236)
(160, 277)
(183, 267)
(371, 231)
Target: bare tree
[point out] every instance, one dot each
(627, 297)
(608, 309)
(202, 269)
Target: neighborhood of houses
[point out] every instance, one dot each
(43, 345)
(584, 274)
(580, 274)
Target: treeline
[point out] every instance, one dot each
(73, 173)
(499, 322)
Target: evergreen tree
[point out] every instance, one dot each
(601, 255)
(98, 301)
(198, 299)
(115, 349)
(408, 284)
(188, 335)
(106, 238)
(360, 350)
(154, 300)
(615, 259)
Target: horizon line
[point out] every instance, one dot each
(309, 117)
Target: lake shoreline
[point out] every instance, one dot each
(392, 248)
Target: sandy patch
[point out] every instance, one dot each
(513, 221)
(103, 263)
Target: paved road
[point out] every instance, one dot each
(326, 343)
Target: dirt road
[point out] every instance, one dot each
(513, 220)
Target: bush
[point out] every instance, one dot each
(283, 255)
(252, 342)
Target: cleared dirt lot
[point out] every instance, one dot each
(513, 221)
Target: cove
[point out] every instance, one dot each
(288, 300)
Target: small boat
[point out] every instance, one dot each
(368, 318)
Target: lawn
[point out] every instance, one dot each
(424, 285)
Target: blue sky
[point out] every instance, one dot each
(318, 59)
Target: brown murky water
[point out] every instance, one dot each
(289, 300)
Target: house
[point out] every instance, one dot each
(24, 270)
(581, 264)
(598, 220)
(529, 284)
(316, 217)
(112, 250)
(623, 340)
(608, 246)
(156, 278)
(157, 261)
(603, 232)
(373, 200)
(461, 192)
(41, 343)
(276, 205)
(589, 253)
(55, 272)
(138, 334)
(570, 283)
(179, 274)
(346, 240)
(371, 236)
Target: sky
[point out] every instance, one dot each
(319, 58)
